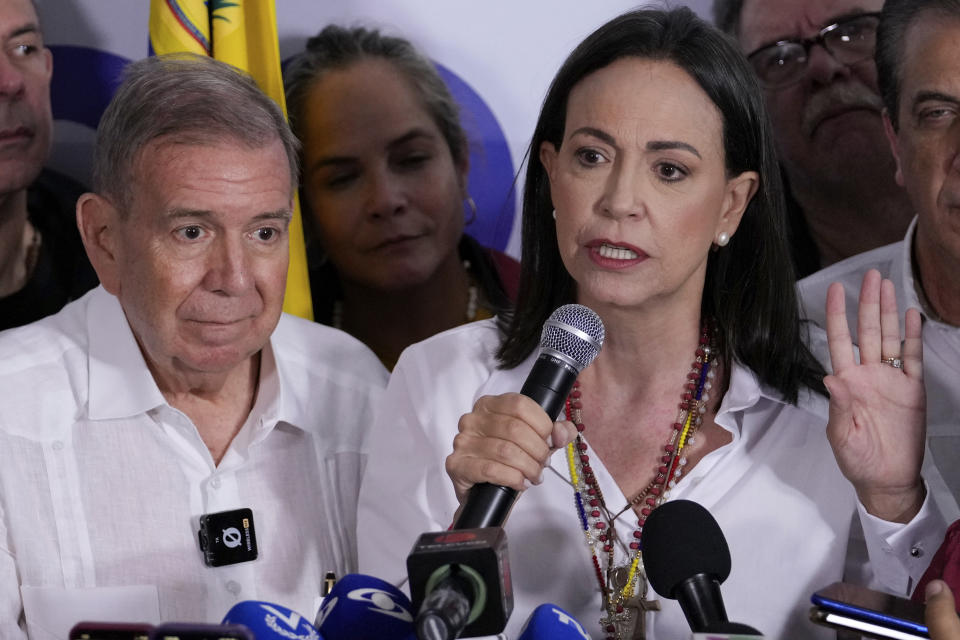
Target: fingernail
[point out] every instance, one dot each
(933, 588)
(540, 478)
(527, 484)
(550, 441)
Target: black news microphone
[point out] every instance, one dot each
(570, 341)
(460, 579)
(686, 558)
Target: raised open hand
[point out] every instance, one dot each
(877, 420)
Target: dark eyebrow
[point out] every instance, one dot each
(596, 133)
(847, 15)
(660, 145)
(653, 145)
(329, 161)
(26, 29)
(413, 134)
(923, 96)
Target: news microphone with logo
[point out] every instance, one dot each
(361, 607)
(269, 621)
(461, 584)
(550, 622)
(686, 558)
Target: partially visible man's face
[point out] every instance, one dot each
(831, 117)
(25, 117)
(201, 256)
(927, 144)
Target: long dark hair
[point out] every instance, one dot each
(749, 288)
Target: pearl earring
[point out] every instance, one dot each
(722, 239)
(554, 214)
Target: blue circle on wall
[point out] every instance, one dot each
(84, 80)
(491, 178)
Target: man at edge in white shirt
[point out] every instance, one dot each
(178, 389)
(918, 62)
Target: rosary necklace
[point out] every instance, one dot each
(624, 588)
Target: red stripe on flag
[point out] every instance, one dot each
(187, 25)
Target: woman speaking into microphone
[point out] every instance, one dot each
(652, 196)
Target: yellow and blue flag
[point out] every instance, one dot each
(242, 33)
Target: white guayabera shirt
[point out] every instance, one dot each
(102, 482)
(775, 489)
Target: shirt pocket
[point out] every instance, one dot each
(52, 611)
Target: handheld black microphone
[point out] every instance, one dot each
(686, 557)
(571, 339)
(460, 579)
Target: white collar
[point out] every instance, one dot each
(908, 293)
(746, 391)
(743, 391)
(901, 273)
(121, 385)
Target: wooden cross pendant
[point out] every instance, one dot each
(637, 606)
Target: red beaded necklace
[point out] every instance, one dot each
(621, 585)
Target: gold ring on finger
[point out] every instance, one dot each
(896, 363)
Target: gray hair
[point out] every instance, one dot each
(336, 48)
(895, 20)
(726, 15)
(189, 99)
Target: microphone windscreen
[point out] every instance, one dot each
(361, 607)
(680, 540)
(550, 622)
(575, 333)
(269, 621)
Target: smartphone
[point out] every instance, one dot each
(872, 613)
(182, 631)
(110, 631)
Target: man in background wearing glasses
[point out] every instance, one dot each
(815, 61)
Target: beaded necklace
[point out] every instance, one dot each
(624, 588)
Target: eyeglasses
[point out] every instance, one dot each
(849, 41)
